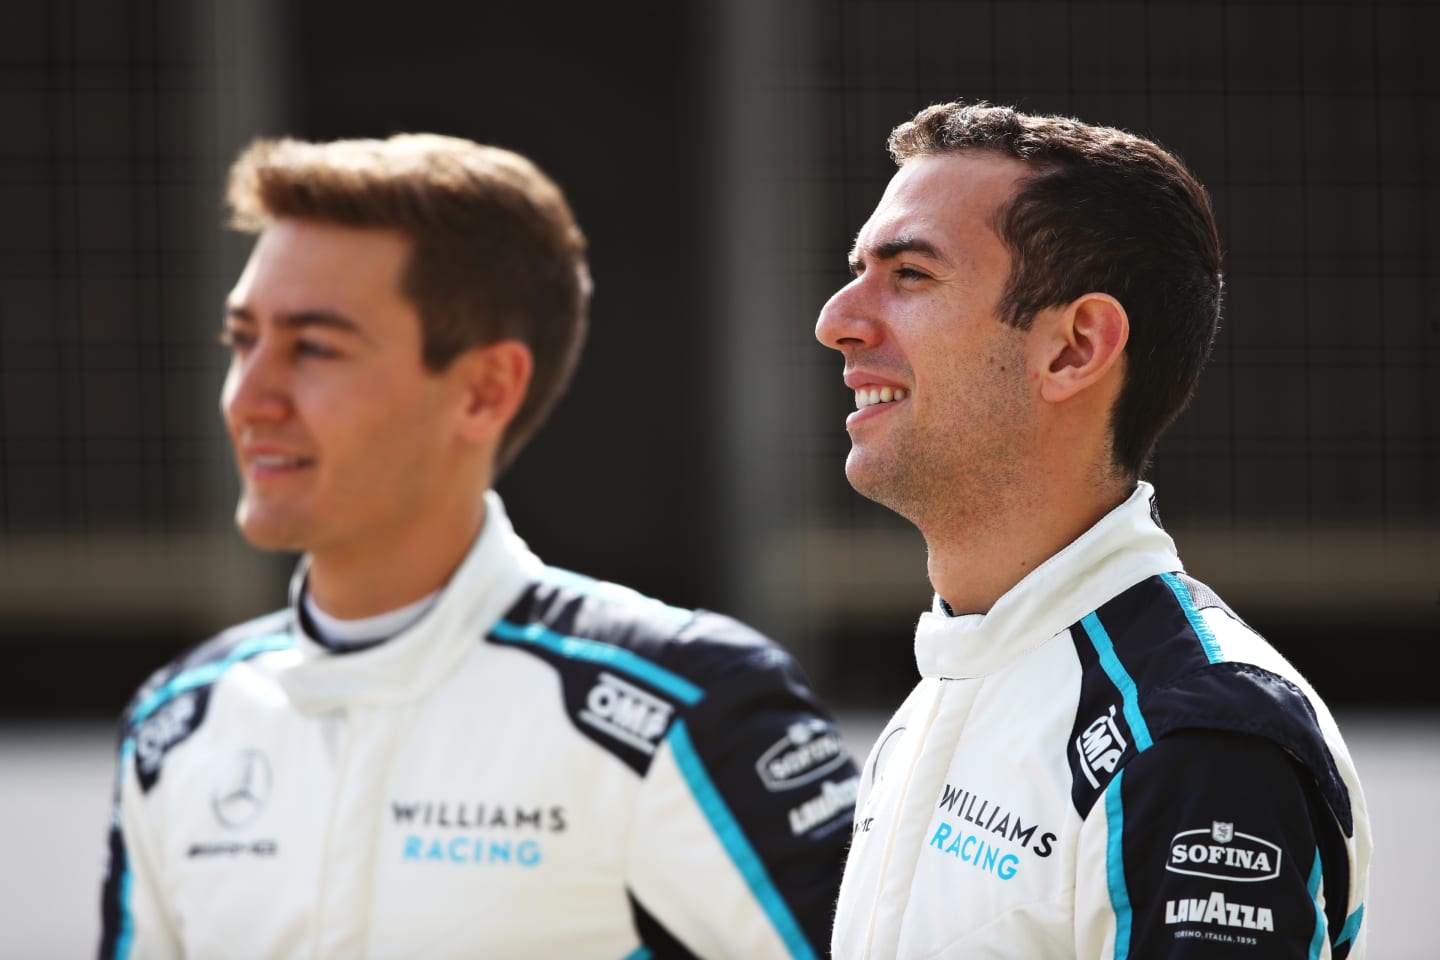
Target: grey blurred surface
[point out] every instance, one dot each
(55, 794)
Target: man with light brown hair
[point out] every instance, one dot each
(443, 747)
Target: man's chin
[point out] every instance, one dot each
(880, 482)
(269, 533)
(867, 477)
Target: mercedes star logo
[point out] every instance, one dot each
(242, 793)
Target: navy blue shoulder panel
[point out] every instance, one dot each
(1151, 668)
(630, 666)
(172, 703)
(760, 753)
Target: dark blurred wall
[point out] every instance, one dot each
(115, 265)
(720, 156)
(1304, 481)
(604, 98)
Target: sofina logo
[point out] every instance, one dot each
(1222, 853)
(626, 712)
(1100, 746)
(809, 750)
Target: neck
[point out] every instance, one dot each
(974, 566)
(350, 582)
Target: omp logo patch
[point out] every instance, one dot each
(162, 730)
(1221, 853)
(627, 713)
(809, 750)
(1100, 746)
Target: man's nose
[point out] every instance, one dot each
(256, 388)
(847, 320)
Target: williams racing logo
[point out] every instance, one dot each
(1221, 853)
(809, 750)
(627, 713)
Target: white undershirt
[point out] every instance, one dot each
(342, 635)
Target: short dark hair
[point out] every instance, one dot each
(496, 253)
(1105, 211)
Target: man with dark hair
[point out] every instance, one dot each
(1100, 759)
(443, 747)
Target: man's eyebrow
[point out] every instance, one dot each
(328, 319)
(889, 249)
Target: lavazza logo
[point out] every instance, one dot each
(627, 713)
(1220, 853)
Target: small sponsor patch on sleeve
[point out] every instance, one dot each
(1221, 853)
(809, 750)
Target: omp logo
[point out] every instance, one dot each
(241, 793)
(809, 750)
(1100, 746)
(1221, 853)
(626, 712)
(163, 729)
(1216, 910)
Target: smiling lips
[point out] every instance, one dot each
(869, 396)
(273, 463)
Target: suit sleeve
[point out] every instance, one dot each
(739, 836)
(1212, 844)
(135, 924)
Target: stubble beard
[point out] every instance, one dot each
(963, 477)
(951, 489)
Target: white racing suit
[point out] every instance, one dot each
(1109, 764)
(543, 766)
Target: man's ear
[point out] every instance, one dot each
(1085, 341)
(494, 379)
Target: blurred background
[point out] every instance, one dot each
(720, 155)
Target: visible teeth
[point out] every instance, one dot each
(274, 460)
(873, 395)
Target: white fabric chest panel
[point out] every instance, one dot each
(495, 804)
(998, 846)
(240, 822)
(467, 812)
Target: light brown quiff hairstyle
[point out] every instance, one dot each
(495, 253)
